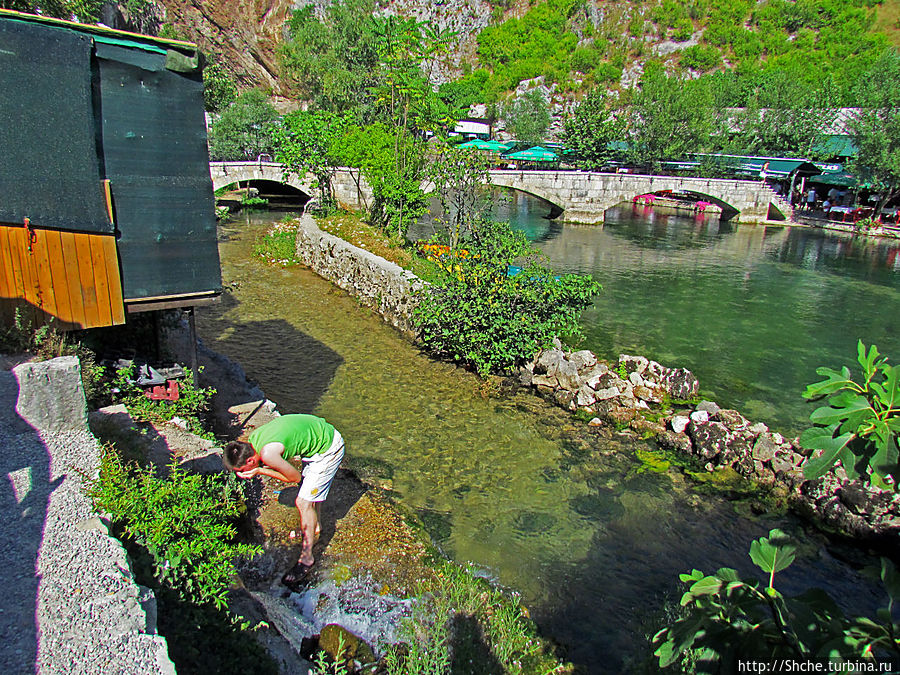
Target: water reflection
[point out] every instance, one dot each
(563, 513)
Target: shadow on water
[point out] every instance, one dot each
(24, 500)
(297, 368)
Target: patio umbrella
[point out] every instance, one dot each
(478, 144)
(535, 154)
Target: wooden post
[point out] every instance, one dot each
(195, 371)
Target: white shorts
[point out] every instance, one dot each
(319, 471)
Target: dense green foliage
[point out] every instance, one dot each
(458, 177)
(183, 520)
(304, 143)
(244, 129)
(179, 531)
(810, 42)
(861, 423)
(727, 619)
(333, 61)
(219, 89)
(477, 313)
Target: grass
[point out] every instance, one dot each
(278, 245)
(353, 229)
(887, 20)
(462, 624)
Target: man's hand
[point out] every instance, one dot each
(249, 473)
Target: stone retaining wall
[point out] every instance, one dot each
(382, 285)
(628, 394)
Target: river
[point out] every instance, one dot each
(751, 309)
(563, 514)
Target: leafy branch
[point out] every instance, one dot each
(859, 426)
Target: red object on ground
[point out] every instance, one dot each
(161, 393)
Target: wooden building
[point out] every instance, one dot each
(107, 205)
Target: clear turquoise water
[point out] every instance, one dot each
(752, 310)
(562, 514)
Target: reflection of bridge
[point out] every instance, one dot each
(579, 196)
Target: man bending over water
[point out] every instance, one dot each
(268, 451)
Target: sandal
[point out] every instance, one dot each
(295, 576)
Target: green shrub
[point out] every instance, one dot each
(727, 620)
(184, 521)
(860, 426)
(701, 57)
(478, 314)
(180, 535)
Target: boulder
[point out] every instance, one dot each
(710, 407)
(671, 440)
(567, 376)
(634, 364)
(585, 396)
(604, 394)
(710, 439)
(583, 360)
(545, 381)
(548, 361)
(679, 423)
(732, 419)
(764, 448)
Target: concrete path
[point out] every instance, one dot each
(68, 603)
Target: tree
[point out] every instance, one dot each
(333, 61)
(219, 90)
(876, 128)
(784, 117)
(668, 118)
(459, 176)
(245, 128)
(527, 117)
(305, 142)
(593, 130)
(407, 101)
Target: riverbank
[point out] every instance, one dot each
(722, 440)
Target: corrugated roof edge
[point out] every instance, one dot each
(103, 31)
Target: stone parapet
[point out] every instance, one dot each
(382, 285)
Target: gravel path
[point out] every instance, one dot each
(68, 603)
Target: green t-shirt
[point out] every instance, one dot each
(301, 435)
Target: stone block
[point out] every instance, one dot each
(51, 395)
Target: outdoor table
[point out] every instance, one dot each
(839, 212)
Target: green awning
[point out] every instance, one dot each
(841, 179)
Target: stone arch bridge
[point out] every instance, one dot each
(579, 196)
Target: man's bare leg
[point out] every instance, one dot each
(309, 526)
